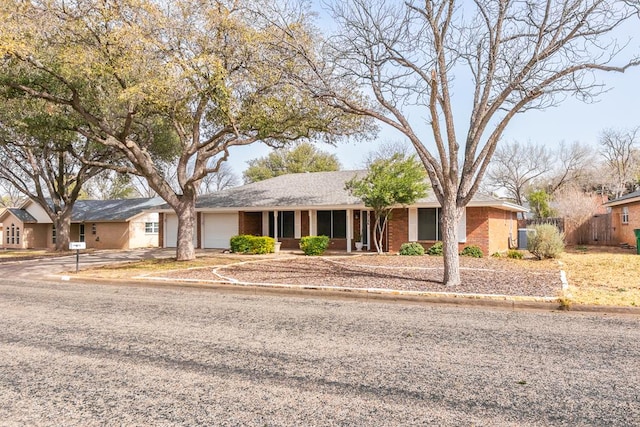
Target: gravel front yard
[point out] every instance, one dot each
(406, 273)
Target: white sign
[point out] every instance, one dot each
(74, 246)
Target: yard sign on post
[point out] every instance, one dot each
(77, 246)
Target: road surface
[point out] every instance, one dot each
(87, 354)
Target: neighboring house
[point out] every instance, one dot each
(102, 224)
(625, 217)
(307, 204)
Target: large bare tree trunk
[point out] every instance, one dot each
(450, 218)
(62, 223)
(186, 212)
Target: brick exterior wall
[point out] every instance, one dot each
(623, 233)
(502, 226)
(487, 228)
(398, 229)
(478, 227)
(304, 223)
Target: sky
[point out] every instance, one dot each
(572, 120)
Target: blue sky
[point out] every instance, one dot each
(572, 120)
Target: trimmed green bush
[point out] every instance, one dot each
(545, 241)
(515, 254)
(247, 244)
(314, 245)
(262, 245)
(435, 249)
(472, 251)
(240, 244)
(411, 248)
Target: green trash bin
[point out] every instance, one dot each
(637, 231)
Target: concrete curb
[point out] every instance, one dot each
(372, 294)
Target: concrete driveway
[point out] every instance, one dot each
(82, 354)
(42, 267)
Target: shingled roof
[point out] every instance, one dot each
(308, 190)
(627, 198)
(22, 215)
(111, 210)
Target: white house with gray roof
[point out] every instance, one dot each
(289, 207)
(101, 224)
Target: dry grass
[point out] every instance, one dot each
(603, 276)
(139, 268)
(11, 253)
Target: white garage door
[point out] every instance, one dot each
(219, 228)
(171, 232)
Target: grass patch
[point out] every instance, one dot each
(11, 253)
(603, 278)
(137, 268)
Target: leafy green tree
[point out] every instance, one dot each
(42, 159)
(303, 157)
(539, 203)
(398, 181)
(172, 84)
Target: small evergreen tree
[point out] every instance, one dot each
(398, 181)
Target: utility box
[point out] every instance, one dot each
(522, 238)
(637, 231)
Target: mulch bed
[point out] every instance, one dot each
(405, 273)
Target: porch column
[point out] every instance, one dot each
(349, 229)
(275, 225)
(313, 225)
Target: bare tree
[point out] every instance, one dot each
(619, 149)
(519, 56)
(109, 185)
(515, 167)
(574, 166)
(223, 178)
(9, 195)
(577, 208)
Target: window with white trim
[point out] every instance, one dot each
(286, 224)
(81, 232)
(151, 227)
(429, 224)
(625, 215)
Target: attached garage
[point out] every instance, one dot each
(218, 228)
(171, 231)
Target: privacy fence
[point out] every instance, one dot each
(594, 231)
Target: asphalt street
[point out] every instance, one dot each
(87, 354)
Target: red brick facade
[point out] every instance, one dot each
(623, 232)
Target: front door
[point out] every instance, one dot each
(364, 228)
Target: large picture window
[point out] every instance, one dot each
(286, 224)
(429, 224)
(332, 224)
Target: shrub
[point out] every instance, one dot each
(240, 244)
(435, 249)
(411, 248)
(314, 245)
(262, 245)
(545, 241)
(515, 254)
(247, 244)
(496, 255)
(472, 251)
